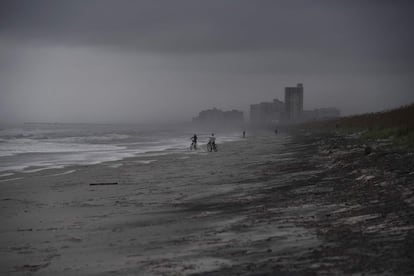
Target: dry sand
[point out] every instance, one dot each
(266, 205)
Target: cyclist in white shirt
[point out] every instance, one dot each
(212, 139)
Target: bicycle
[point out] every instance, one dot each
(211, 147)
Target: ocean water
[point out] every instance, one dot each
(34, 147)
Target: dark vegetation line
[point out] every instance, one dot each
(396, 125)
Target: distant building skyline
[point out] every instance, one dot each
(290, 111)
(218, 116)
(267, 112)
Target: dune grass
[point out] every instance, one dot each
(400, 135)
(396, 125)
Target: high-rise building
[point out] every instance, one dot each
(267, 112)
(217, 116)
(294, 102)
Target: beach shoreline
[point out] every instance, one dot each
(289, 204)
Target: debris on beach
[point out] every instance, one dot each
(103, 184)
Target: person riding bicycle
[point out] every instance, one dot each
(212, 142)
(212, 139)
(194, 141)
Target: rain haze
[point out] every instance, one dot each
(166, 60)
(213, 137)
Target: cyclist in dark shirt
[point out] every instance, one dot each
(194, 141)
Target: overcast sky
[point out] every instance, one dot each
(137, 61)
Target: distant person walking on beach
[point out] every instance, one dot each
(276, 131)
(211, 145)
(194, 142)
(244, 134)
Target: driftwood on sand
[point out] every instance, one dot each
(104, 183)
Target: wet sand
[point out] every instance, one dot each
(267, 205)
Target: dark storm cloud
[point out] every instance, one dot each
(345, 27)
(157, 54)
